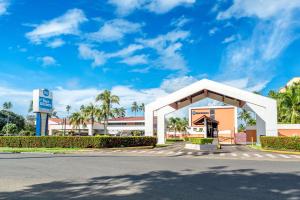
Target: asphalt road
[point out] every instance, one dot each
(94, 176)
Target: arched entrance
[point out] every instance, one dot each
(264, 107)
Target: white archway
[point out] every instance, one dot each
(264, 107)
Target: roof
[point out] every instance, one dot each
(139, 118)
(211, 89)
(200, 120)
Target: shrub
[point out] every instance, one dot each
(10, 129)
(175, 140)
(280, 143)
(201, 140)
(75, 142)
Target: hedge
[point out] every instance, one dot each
(201, 140)
(280, 143)
(75, 141)
(175, 140)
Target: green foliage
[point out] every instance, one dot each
(241, 128)
(246, 117)
(201, 140)
(75, 142)
(137, 133)
(175, 140)
(10, 129)
(177, 124)
(26, 133)
(18, 120)
(280, 143)
(288, 104)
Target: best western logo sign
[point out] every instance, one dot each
(42, 101)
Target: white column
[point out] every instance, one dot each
(50, 131)
(90, 130)
(149, 121)
(161, 123)
(205, 128)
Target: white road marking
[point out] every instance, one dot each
(199, 153)
(295, 156)
(271, 155)
(189, 153)
(258, 155)
(284, 156)
(170, 152)
(234, 154)
(179, 153)
(222, 154)
(160, 152)
(246, 155)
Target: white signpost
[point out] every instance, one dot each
(42, 106)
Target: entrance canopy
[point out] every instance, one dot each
(201, 120)
(264, 107)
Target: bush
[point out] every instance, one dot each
(280, 143)
(75, 142)
(201, 140)
(10, 129)
(26, 133)
(175, 140)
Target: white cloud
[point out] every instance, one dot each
(56, 43)
(126, 7)
(255, 58)
(168, 48)
(243, 83)
(213, 31)
(67, 24)
(176, 83)
(87, 53)
(3, 6)
(47, 61)
(135, 60)
(180, 22)
(259, 8)
(127, 51)
(230, 39)
(114, 30)
(163, 6)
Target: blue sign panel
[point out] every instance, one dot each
(46, 92)
(45, 103)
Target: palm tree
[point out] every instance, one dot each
(173, 124)
(90, 112)
(120, 112)
(142, 107)
(182, 125)
(77, 119)
(289, 104)
(7, 106)
(107, 101)
(68, 108)
(134, 107)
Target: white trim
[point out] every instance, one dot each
(279, 127)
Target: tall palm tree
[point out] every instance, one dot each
(134, 107)
(68, 108)
(76, 120)
(142, 107)
(107, 101)
(173, 124)
(90, 112)
(120, 112)
(289, 104)
(7, 106)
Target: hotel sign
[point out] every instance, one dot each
(42, 101)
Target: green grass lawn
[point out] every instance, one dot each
(41, 150)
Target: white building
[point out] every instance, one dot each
(117, 126)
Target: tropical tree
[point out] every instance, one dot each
(246, 117)
(142, 107)
(68, 108)
(7, 106)
(177, 124)
(90, 112)
(288, 104)
(182, 125)
(134, 107)
(77, 119)
(120, 112)
(10, 129)
(107, 100)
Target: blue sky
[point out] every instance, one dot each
(142, 49)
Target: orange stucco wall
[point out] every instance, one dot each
(225, 117)
(289, 132)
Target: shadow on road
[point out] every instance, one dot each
(216, 183)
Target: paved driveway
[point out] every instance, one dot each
(227, 152)
(95, 176)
